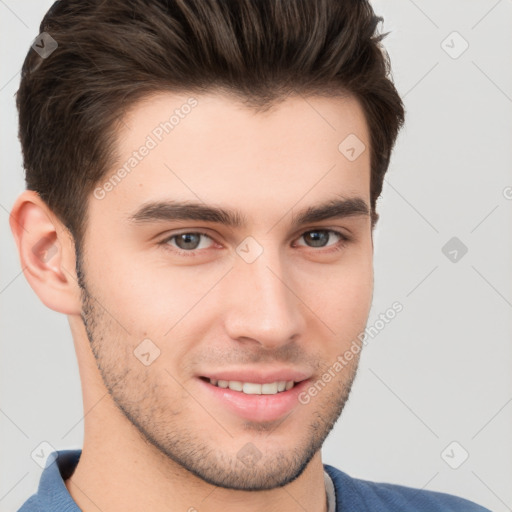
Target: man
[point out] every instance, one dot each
(202, 179)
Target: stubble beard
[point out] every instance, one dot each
(136, 395)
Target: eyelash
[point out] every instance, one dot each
(344, 240)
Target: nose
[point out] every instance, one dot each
(261, 302)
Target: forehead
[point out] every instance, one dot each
(211, 148)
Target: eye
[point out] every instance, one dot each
(318, 238)
(187, 242)
(190, 243)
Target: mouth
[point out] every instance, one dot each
(255, 401)
(253, 388)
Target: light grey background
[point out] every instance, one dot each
(440, 371)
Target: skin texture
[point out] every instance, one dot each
(153, 438)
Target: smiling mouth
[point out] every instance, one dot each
(252, 388)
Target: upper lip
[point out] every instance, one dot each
(258, 376)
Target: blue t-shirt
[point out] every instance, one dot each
(350, 494)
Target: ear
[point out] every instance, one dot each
(47, 253)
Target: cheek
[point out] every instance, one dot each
(346, 306)
(340, 295)
(151, 295)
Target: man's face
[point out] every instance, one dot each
(170, 303)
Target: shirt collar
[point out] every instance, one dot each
(329, 489)
(52, 491)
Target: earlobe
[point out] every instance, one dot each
(46, 252)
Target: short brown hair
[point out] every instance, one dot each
(112, 53)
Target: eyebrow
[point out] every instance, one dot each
(175, 210)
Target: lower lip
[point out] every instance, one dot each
(257, 407)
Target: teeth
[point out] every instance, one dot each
(269, 388)
(235, 385)
(251, 388)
